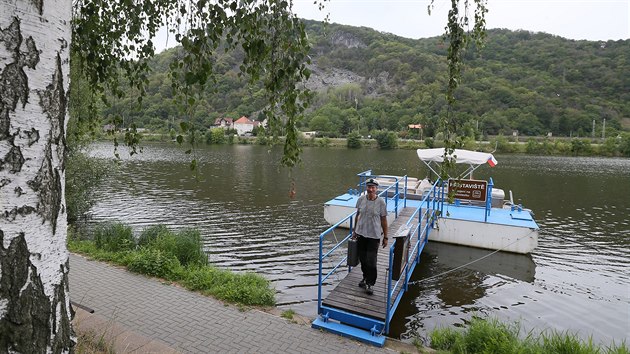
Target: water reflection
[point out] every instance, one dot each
(577, 279)
(455, 278)
(504, 264)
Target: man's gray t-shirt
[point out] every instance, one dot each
(370, 212)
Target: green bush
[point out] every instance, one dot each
(492, 336)
(323, 142)
(556, 342)
(215, 136)
(481, 336)
(248, 289)
(189, 248)
(386, 140)
(261, 139)
(354, 140)
(503, 144)
(156, 263)
(581, 147)
(624, 145)
(163, 254)
(113, 237)
(469, 143)
(562, 147)
(149, 235)
(445, 338)
(205, 278)
(536, 148)
(610, 147)
(186, 245)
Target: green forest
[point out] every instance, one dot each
(520, 82)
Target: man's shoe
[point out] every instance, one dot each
(362, 284)
(368, 289)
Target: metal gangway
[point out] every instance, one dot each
(347, 310)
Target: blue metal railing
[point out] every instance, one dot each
(418, 237)
(427, 209)
(322, 256)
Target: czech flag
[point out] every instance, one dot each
(492, 161)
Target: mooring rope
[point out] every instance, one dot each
(469, 263)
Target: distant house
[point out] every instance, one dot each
(244, 125)
(109, 128)
(225, 123)
(310, 134)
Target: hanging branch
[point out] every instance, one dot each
(112, 41)
(458, 38)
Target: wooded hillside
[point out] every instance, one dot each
(534, 83)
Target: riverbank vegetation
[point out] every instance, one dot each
(492, 336)
(174, 256)
(618, 146)
(365, 81)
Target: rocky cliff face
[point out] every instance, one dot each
(324, 78)
(321, 79)
(345, 39)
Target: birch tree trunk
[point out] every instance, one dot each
(34, 71)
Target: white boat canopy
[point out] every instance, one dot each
(472, 158)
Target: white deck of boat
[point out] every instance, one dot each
(461, 212)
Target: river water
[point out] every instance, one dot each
(578, 279)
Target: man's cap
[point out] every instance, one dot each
(371, 182)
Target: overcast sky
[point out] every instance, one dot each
(574, 19)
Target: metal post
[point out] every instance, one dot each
(489, 199)
(405, 193)
(389, 286)
(420, 228)
(397, 197)
(319, 283)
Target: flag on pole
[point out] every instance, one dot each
(492, 161)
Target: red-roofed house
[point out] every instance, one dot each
(223, 123)
(243, 125)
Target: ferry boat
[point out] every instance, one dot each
(475, 213)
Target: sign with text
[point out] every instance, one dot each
(469, 189)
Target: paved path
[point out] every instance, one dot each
(189, 322)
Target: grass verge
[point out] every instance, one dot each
(177, 257)
(90, 343)
(492, 336)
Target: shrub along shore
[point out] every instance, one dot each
(492, 336)
(617, 146)
(179, 257)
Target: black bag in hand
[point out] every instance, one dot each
(353, 253)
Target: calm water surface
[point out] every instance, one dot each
(578, 279)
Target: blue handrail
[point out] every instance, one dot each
(322, 256)
(430, 203)
(421, 238)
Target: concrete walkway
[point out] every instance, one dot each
(144, 315)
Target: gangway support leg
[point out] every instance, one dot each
(373, 337)
(374, 331)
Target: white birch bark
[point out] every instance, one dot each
(34, 72)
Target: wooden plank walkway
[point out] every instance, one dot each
(348, 296)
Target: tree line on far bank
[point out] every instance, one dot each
(367, 81)
(615, 146)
